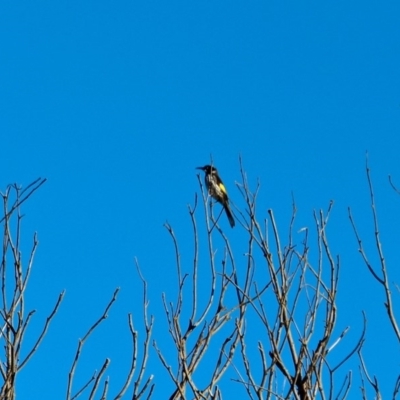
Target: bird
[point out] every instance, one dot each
(217, 190)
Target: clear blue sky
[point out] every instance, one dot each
(116, 103)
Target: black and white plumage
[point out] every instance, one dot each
(217, 190)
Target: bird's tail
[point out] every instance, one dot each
(229, 214)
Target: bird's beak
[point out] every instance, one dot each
(202, 168)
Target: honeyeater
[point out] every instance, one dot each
(217, 190)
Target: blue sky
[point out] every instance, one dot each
(117, 103)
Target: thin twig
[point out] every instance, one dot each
(82, 342)
(44, 331)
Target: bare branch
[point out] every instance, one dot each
(384, 281)
(393, 186)
(373, 382)
(44, 331)
(84, 387)
(98, 377)
(32, 187)
(361, 250)
(82, 342)
(148, 327)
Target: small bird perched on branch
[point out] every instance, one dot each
(217, 190)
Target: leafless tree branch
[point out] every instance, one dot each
(137, 392)
(384, 281)
(14, 280)
(82, 342)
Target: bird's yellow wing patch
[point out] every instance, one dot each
(222, 187)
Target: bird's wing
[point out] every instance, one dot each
(221, 185)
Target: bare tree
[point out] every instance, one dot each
(135, 376)
(296, 305)
(213, 317)
(284, 288)
(291, 294)
(381, 276)
(15, 272)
